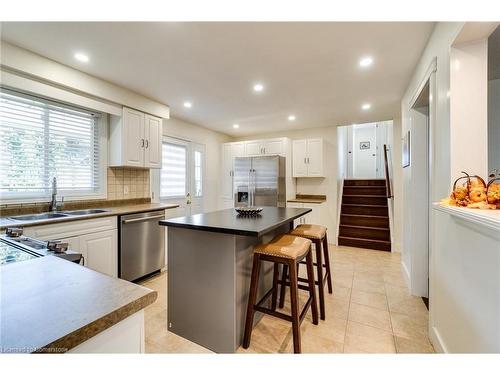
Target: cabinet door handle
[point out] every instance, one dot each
(142, 142)
(264, 150)
(147, 143)
(305, 160)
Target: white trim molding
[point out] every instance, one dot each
(489, 219)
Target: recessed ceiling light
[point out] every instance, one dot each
(81, 57)
(291, 118)
(366, 106)
(365, 62)
(188, 104)
(236, 126)
(258, 87)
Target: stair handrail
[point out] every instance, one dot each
(387, 176)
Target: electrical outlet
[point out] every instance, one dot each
(125, 190)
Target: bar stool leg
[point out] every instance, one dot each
(275, 287)
(252, 296)
(327, 263)
(295, 306)
(321, 286)
(284, 274)
(312, 287)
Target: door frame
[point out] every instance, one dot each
(417, 284)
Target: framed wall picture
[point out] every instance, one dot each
(364, 145)
(406, 150)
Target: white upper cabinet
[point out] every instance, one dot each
(253, 148)
(133, 137)
(308, 155)
(152, 136)
(265, 147)
(135, 140)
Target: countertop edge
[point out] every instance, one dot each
(486, 218)
(237, 232)
(85, 217)
(305, 200)
(77, 337)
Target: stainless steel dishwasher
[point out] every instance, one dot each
(142, 244)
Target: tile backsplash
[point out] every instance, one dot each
(126, 183)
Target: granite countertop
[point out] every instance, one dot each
(52, 305)
(308, 198)
(112, 211)
(228, 221)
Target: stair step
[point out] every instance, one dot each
(380, 200)
(364, 209)
(364, 243)
(370, 233)
(365, 220)
(364, 182)
(365, 190)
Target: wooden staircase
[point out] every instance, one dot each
(364, 216)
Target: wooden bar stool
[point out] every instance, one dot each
(287, 250)
(317, 234)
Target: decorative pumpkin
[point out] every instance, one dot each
(493, 192)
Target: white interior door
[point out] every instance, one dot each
(364, 151)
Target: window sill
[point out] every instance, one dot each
(485, 218)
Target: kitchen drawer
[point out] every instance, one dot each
(72, 228)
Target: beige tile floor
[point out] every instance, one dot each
(370, 311)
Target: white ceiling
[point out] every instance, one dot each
(308, 69)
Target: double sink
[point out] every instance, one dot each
(57, 214)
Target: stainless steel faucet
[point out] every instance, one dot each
(53, 202)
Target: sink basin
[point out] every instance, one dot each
(86, 212)
(47, 215)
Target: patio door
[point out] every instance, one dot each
(182, 175)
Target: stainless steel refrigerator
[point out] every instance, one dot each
(259, 181)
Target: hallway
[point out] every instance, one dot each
(370, 311)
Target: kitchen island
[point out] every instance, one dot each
(209, 268)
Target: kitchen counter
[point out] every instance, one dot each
(228, 221)
(112, 211)
(209, 266)
(308, 198)
(52, 305)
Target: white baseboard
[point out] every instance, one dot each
(437, 341)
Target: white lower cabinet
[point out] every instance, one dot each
(99, 251)
(95, 239)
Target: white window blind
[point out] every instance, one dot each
(41, 139)
(174, 171)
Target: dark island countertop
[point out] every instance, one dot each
(228, 221)
(52, 305)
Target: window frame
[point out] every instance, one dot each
(101, 193)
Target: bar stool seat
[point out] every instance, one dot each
(317, 234)
(311, 231)
(285, 246)
(290, 251)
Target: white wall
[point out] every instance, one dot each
(323, 186)
(469, 112)
(397, 185)
(212, 140)
(364, 161)
(464, 284)
(494, 124)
